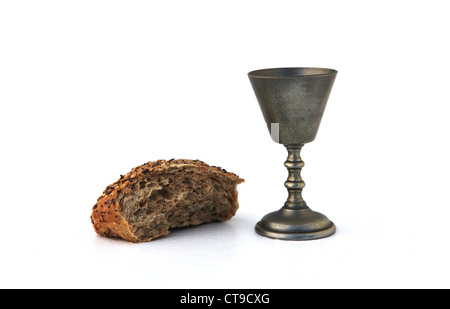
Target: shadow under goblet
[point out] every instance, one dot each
(292, 101)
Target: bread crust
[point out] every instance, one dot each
(106, 214)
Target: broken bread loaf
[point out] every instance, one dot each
(157, 196)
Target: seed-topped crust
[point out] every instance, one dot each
(107, 218)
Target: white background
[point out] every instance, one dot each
(90, 89)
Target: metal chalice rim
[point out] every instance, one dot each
(256, 73)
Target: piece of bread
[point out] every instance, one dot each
(157, 196)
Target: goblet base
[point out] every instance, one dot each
(295, 224)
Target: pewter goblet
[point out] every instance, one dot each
(292, 101)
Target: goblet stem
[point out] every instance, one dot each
(294, 183)
(295, 220)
